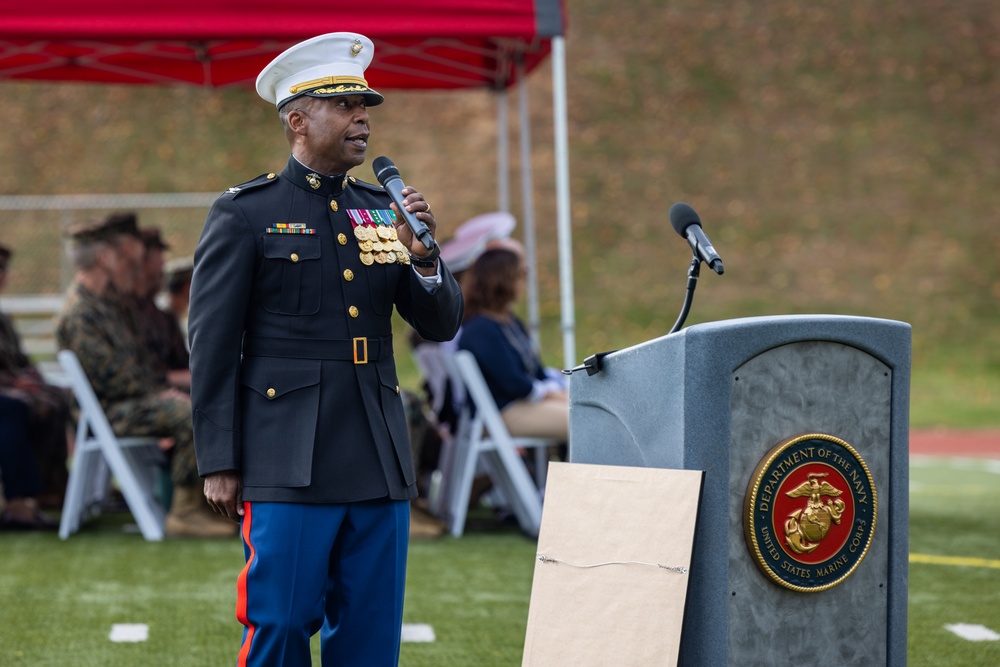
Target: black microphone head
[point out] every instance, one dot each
(683, 216)
(384, 169)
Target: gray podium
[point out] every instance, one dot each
(753, 402)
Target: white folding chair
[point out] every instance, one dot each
(429, 359)
(134, 462)
(481, 431)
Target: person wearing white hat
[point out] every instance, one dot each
(299, 428)
(471, 239)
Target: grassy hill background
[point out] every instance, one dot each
(844, 158)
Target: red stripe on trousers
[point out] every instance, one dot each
(241, 589)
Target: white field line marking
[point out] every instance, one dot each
(417, 632)
(956, 462)
(129, 632)
(974, 633)
(139, 632)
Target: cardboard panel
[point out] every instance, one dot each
(614, 558)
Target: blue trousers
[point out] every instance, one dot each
(334, 569)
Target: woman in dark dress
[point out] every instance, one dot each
(532, 399)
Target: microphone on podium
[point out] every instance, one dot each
(687, 223)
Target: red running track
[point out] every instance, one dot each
(985, 443)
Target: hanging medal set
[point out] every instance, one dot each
(376, 234)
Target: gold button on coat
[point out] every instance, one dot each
(294, 257)
(334, 206)
(271, 392)
(348, 274)
(353, 310)
(342, 239)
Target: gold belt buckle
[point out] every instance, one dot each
(363, 348)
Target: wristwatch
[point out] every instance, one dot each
(428, 261)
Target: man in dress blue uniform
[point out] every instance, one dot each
(299, 429)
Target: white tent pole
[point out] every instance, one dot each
(503, 153)
(528, 205)
(563, 201)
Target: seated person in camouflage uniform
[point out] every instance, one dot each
(106, 255)
(158, 329)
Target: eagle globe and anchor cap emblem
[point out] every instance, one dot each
(804, 529)
(809, 512)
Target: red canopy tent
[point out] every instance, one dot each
(444, 44)
(430, 43)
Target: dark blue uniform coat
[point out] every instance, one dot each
(276, 392)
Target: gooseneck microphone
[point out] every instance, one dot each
(388, 177)
(687, 223)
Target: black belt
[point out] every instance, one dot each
(359, 350)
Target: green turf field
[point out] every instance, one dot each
(59, 600)
(954, 561)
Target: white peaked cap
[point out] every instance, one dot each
(325, 66)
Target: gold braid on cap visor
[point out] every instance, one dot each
(327, 81)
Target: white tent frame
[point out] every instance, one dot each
(563, 217)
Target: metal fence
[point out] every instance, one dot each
(32, 226)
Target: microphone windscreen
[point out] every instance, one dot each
(384, 169)
(683, 216)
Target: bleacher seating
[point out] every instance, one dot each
(35, 317)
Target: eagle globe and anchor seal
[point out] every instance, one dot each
(809, 514)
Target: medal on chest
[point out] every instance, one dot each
(375, 232)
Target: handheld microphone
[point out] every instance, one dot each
(687, 223)
(388, 177)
